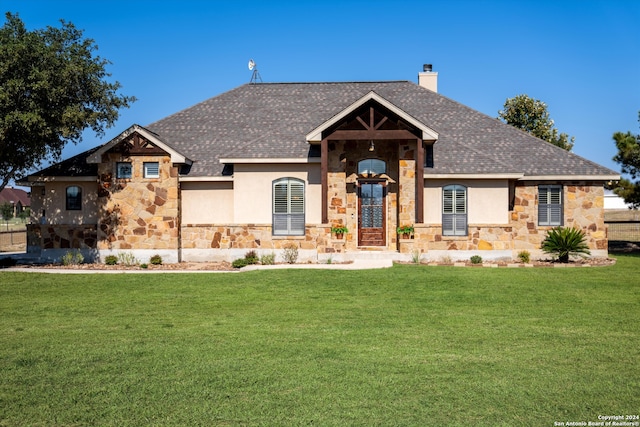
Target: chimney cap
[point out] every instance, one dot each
(427, 68)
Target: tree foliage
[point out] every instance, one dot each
(628, 157)
(52, 88)
(532, 116)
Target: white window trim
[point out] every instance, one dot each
(547, 209)
(146, 171)
(459, 215)
(295, 212)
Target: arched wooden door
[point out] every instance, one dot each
(372, 216)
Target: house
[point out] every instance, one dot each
(17, 198)
(264, 166)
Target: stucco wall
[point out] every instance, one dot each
(252, 184)
(207, 202)
(487, 201)
(53, 202)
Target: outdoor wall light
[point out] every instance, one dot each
(371, 146)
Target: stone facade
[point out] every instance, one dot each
(138, 213)
(61, 237)
(343, 179)
(583, 209)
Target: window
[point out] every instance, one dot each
(151, 170)
(550, 205)
(454, 210)
(74, 198)
(123, 170)
(288, 207)
(371, 167)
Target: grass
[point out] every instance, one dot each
(411, 345)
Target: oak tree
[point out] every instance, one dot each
(532, 116)
(52, 88)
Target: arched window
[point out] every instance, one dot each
(288, 207)
(371, 167)
(74, 198)
(454, 210)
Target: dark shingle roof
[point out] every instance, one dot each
(271, 120)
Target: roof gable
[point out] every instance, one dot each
(315, 136)
(138, 141)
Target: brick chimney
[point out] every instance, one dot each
(427, 78)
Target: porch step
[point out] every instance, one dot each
(371, 255)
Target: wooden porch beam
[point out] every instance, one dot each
(419, 181)
(324, 170)
(372, 134)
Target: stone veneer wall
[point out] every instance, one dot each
(342, 190)
(226, 242)
(138, 213)
(65, 236)
(583, 209)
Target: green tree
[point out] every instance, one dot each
(628, 157)
(532, 116)
(52, 88)
(7, 212)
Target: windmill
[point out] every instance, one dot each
(255, 76)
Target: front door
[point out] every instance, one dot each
(371, 214)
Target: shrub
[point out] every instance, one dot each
(111, 260)
(7, 262)
(415, 256)
(476, 259)
(290, 254)
(239, 263)
(155, 260)
(564, 242)
(268, 259)
(524, 256)
(127, 258)
(72, 258)
(251, 257)
(145, 266)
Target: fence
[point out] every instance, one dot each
(13, 241)
(625, 231)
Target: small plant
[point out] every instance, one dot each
(251, 257)
(339, 231)
(524, 257)
(415, 256)
(405, 230)
(111, 260)
(476, 259)
(330, 259)
(72, 258)
(144, 266)
(290, 254)
(565, 242)
(127, 258)
(446, 259)
(155, 260)
(239, 263)
(268, 259)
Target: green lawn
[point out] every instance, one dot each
(411, 345)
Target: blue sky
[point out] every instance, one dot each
(580, 57)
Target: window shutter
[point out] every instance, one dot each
(454, 210)
(288, 207)
(550, 205)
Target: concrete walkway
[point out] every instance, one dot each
(355, 265)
